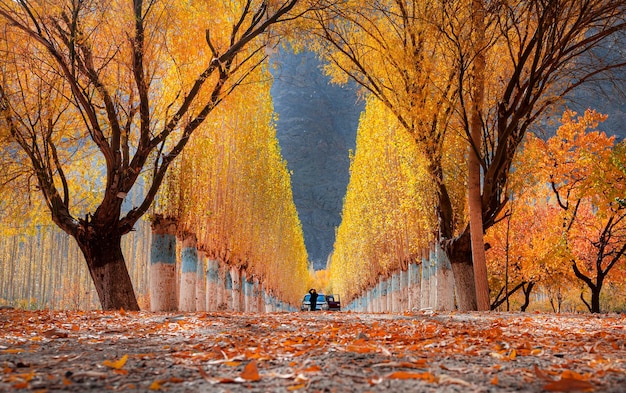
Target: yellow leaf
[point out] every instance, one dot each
(117, 364)
(156, 385)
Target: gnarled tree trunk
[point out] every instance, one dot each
(103, 254)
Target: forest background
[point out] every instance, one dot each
(556, 231)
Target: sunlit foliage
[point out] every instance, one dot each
(386, 219)
(232, 189)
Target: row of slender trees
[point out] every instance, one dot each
(99, 98)
(122, 87)
(562, 237)
(467, 80)
(43, 268)
(231, 193)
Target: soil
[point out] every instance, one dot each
(74, 351)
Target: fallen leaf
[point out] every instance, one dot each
(569, 385)
(360, 348)
(156, 385)
(541, 375)
(426, 376)
(573, 375)
(250, 372)
(494, 381)
(452, 381)
(117, 364)
(55, 333)
(13, 350)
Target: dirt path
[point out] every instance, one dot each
(311, 352)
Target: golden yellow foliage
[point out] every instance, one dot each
(387, 215)
(232, 189)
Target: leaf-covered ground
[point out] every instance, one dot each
(311, 352)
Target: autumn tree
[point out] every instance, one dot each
(394, 51)
(416, 58)
(129, 83)
(586, 175)
(524, 252)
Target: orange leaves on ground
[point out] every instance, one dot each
(312, 369)
(13, 350)
(20, 381)
(425, 376)
(360, 348)
(569, 381)
(116, 364)
(569, 385)
(294, 352)
(250, 372)
(158, 384)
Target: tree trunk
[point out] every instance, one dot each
(459, 254)
(595, 288)
(103, 254)
(163, 294)
(595, 299)
(212, 286)
(473, 182)
(527, 292)
(189, 273)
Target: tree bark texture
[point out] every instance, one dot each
(459, 254)
(189, 269)
(474, 175)
(163, 295)
(103, 254)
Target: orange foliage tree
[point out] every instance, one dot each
(524, 250)
(586, 174)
